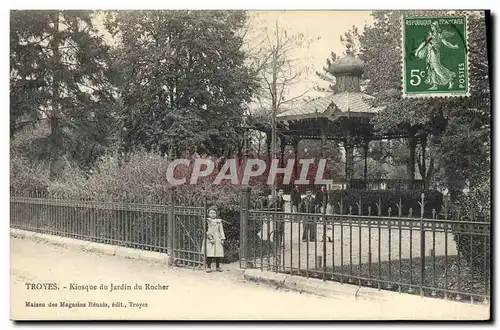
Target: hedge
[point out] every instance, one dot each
(388, 199)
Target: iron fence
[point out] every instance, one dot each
(370, 184)
(430, 257)
(188, 232)
(151, 224)
(140, 225)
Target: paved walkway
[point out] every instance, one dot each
(190, 294)
(345, 245)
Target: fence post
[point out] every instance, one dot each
(205, 217)
(422, 245)
(446, 207)
(170, 224)
(245, 203)
(36, 215)
(325, 201)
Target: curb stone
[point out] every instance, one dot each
(87, 246)
(333, 290)
(126, 252)
(103, 248)
(376, 295)
(318, 287)
(154, 256)
(310, 286)
(340, 291)
(61, 241)
(22, 233)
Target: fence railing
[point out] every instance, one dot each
(361, 184)
(430, 257)
(135, 225)
(149, 224)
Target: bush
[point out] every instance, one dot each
(473, 245)
(141, 179)
(474, 242)
(388, 199)
(27, 178)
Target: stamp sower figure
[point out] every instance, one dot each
(437, 74)
(308, 205)
(214, 239)
(278, 205)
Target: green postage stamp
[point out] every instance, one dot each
(435, 56)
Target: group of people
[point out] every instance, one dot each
(308, 204)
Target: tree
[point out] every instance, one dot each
(351, 38)
(327, 74)
(466, 143)
(278, 70)
(459, 129)
(60, 74)
(390, 155)
(184, 79)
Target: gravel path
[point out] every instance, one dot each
(190, 294)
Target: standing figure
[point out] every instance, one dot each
(214, 239)
(429, 50)
(321, 199)
(264, 196)
(308, 205)
(295, 199)
(278, 205)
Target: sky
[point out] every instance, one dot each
(323, 27)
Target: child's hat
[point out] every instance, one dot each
(213, 207)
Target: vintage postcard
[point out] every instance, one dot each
(241, 165)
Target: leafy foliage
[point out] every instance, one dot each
(351, 38)
(327, 74)
(183, 79)
(60, 74)
(458, 128)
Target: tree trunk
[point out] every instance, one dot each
(268, 145)
(282, 151)
(430, 172)
(422, 167)
(349, 159)
(425, 172)
(410, 161)
(365, 154)
(259, 145)
(54, 116)
(274, 99)
(295, 146)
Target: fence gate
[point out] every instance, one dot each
(188, 231)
